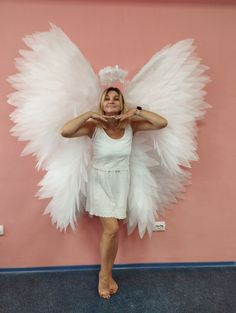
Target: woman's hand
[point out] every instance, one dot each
(99, 117)
(128, 114)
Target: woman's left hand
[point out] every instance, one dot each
(129, 113)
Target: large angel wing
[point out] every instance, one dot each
(170, 84)
(55, 83)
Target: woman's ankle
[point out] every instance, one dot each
(103, 273)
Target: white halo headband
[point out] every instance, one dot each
(108, 75)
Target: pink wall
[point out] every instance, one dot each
(202, 226)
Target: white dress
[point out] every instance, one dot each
(109, 176)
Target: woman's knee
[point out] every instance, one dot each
(110, 226)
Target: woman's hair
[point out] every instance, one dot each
(121, 99)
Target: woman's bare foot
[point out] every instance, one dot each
(103, 286)
(113, 287)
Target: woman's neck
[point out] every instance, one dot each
(113, 123)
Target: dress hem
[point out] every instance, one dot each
(119, 218)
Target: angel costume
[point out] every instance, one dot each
(138, 179)
(109, 177)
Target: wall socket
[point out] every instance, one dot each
(159, 226)
(1, 230)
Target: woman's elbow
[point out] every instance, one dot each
(64, 133)
(163, 124)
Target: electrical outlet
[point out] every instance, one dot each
(1, 230)
(159, 226)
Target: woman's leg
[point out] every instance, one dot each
(108, 251)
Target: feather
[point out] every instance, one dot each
(54, 84)
(171, 84)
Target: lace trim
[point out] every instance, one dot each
(118, 217)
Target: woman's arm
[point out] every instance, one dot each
(80, 126)
(145, 120)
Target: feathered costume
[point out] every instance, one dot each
(55, 83)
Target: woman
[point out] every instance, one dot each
(111, 130)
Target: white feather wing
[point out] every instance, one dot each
(54, 84)
(170, 84)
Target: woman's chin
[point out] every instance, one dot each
(112, 113)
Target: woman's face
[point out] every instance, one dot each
(111, 104)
